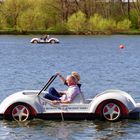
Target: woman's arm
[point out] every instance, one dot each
(61, 77)
(63, 92)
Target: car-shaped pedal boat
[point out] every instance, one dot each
(110, 105)
(46, 40)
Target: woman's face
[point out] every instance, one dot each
(69, 81)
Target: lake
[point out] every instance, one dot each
(101, 64)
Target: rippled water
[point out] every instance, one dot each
(101, 64)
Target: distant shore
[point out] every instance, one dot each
(34, 32)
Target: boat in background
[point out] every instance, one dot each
(45, 39)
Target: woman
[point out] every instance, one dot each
(65, 96)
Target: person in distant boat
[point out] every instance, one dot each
(65, 96)
(73, 73)
(46, 37)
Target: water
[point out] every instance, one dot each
(99, 61)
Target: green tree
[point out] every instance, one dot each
(97, 22)
(76, 22)
(3, 23)
(94, 22)
(51, 9)
(12, 9)
(134, 19)
(31, 20)
(124, 25)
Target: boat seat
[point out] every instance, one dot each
(79, 98)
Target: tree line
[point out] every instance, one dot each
(70, 16)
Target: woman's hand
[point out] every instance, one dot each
(58, 74)
(56, 101)
(61, 77)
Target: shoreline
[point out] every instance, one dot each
(36, 32)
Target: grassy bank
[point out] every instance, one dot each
(130, 32)
(34, 32)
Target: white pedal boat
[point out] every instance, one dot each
(110, 105)
(42, 40)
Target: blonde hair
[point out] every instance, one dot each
(76, 75)
(73, 78)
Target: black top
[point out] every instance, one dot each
(79, 85)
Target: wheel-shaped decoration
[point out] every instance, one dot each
(52, 41)
(35, 41)
(111, 111)
(20, 113)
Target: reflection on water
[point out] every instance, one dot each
(111, 130)
(66, 130)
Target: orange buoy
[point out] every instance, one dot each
(121, 46)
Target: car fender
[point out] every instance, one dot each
(38, 39)
(19, 97)
(120, 96)
(53, 39)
